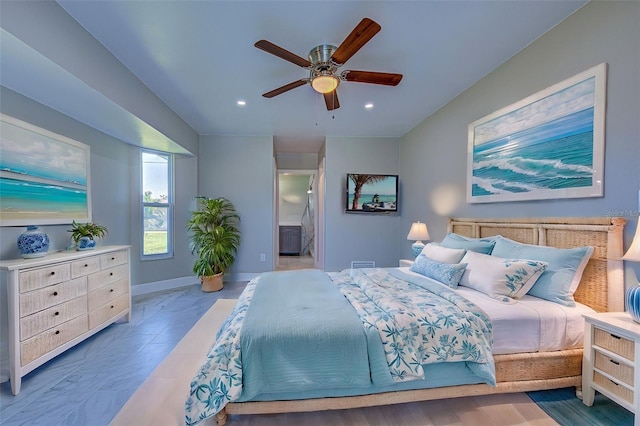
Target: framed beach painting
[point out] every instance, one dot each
(548, 145)
(44, 177)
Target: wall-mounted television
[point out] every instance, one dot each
(371, 193)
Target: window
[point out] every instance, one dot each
(157, 205)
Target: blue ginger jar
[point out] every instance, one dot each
(33, 243)
(632, 299)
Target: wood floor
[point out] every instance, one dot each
(160, 399)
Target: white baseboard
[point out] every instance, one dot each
(174, 283)
(170, 284)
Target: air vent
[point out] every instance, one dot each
(356, 264)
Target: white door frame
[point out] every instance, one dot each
(316, 190)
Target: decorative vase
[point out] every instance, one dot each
(33, 243)
(86, 243)
(632, 299)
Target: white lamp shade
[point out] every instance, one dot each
(633, 254)
(418, 232)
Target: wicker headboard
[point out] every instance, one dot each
(602, 284)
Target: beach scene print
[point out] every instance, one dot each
(42, 180)
(371, 192)
(545, 145)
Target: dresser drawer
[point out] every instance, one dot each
(85, 266)
(113, 259)
(613, 387)
(50, 296)
(107, 276)
(612, 367)
(616, 344)
(50, 339)
(42, 277)
(43, 320)
(109, 310)
(107, 293)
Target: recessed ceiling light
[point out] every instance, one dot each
(241, 103)
(369, 105)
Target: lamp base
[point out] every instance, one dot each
(632, 299)
(416, 248)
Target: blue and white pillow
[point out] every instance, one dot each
(502, 279)
(447, 273)
(562, 276)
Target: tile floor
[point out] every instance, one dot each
(89, 384)
(288, 263)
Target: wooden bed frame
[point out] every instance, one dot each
(602, 288)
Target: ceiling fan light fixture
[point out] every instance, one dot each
(325, 83)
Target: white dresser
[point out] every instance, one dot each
(57, 301)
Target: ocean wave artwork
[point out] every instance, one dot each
(541, 147)
(555, 155)
(43, 176)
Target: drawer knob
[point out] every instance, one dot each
(56, 313)
(110, 290)
(615, 337)
(111, 274)
(55, 293)
(614, 362)
(111, 306)
(113, 258)
(86, 265)
(57, 331)
(53, 273)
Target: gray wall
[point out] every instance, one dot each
(353, 236)
(240, 168)
(433, 155)
(115, 191)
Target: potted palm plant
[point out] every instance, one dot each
(214, 239)
(85, 235)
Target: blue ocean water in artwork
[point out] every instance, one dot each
(25, 196)
(555, 155)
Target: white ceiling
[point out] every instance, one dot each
(198, 58)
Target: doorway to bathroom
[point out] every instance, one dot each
(297, 219)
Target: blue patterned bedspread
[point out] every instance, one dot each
(404, 328)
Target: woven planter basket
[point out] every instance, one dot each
(212, 282)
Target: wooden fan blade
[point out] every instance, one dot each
(388, 79)
(360, 35)
(331, 100)
(285, 88)
(278, 51)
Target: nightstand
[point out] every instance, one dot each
(405, 262)
(611, 360)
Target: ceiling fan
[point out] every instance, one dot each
(324, 61)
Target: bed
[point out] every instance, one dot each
(600, 289)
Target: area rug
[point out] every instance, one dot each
(566, 409)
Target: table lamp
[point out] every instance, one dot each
(632, 296)
(417, 233)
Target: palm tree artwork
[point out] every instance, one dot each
(359, 181)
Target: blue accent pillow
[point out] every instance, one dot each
(479, 245)
(446, 273)
(564, 270)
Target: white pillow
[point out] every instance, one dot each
(502, 279)
(443, 254)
